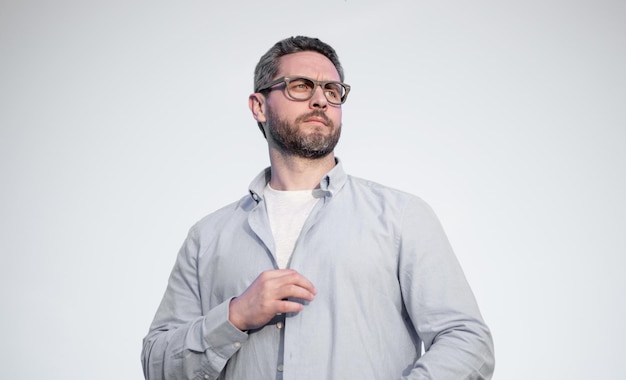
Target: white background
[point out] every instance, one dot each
(123, 122)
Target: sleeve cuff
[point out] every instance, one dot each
(221, 336)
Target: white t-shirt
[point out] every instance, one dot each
(287, 211)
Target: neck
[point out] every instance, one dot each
(297, 173)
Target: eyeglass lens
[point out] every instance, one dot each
(303, 88)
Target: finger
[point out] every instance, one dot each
(294, 278)
(293, 291)
(286, 306)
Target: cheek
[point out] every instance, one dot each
(335, 116)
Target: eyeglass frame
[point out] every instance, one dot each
(316, 83)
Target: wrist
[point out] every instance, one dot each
(233, 316)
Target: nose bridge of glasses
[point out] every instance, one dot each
(321, 86)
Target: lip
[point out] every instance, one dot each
(316, 120)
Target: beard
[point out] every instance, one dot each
(290, 140)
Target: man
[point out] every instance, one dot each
(315, 274)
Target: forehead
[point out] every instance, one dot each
(308, 64)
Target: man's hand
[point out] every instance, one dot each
(267, 296)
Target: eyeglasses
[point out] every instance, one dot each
(302, 88)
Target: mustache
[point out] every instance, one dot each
(316, 113)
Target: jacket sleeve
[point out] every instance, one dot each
(183, 342)
(457, 342)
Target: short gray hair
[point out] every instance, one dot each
(268, 65)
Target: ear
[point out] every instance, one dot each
(256, 102)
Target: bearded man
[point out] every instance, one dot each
(315, 274)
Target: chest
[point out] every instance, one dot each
(343, 251)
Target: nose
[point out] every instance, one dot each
(318, 100)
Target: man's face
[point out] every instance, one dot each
(309, 128)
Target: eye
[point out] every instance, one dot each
(334, 90)
(300, 85)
